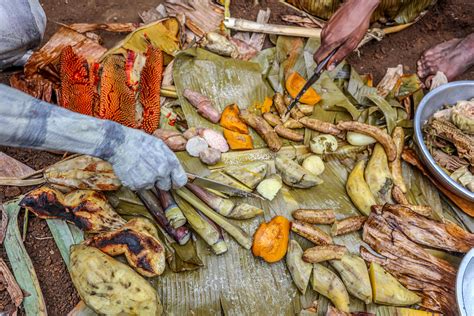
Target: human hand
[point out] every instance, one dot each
(144, 160)
(345, 30)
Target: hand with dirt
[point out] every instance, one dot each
(345, 30)
(139, 160)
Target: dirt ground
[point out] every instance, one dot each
(446, 20)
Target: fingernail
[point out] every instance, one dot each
(331, 67)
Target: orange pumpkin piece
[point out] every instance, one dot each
(295, 83)
(230, 120)
(266, 105)
(238, 141)
(270, 241)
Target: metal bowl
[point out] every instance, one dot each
(449, 93)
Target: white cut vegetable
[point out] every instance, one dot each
(314, 164)
(322, 144)
(210, 156)
(358, 139)
(196, 145)
(270, 187)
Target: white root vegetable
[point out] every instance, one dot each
(196, 145)
(295, 175)
(215, 139)
(270, 187)
(314, 164)
(210, 156)
(322, 144)
(358, 139)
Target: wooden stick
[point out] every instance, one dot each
(251, 26)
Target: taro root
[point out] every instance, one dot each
(270, 241)
(88, 210)
(110, 287)
(173, 139)
(203, 105)
(138, 241)
(83, 172)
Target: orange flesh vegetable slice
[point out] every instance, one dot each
(271, 239)
(295, 83)
(238, 141)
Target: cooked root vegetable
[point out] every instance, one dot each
(83, 172)
(378, 176)
(292, 124)
(423, 210)
(348, 225)
(217, 203)
(398, 136)
(210, 156)
(295, 83)
(270, 241)
(225, 179)
(272, 119)
(399, 196)
(245, 211)
(387, 290)
(358, 139)
(289, 133)
(88, 210)
(358, 190)
(314, 164)
(196, 145)
(230, 120)
(294, 175)
(250, 174)
(110, 287)
(324, 253)
(323, 144)
(263, 129)
(327, 283)
(138, 241)
(208, 232)
(414, 312)
(306, 109)
(320, 126)
(238, 141)
(300, 271)
(270, 187)
(181, 234)
(172, 211)
(354, 274)
(236, 232)
(214, 139)
(203, 105)
(279, 103)
(315, 216)
(191, 132)
(173, 139)
(373, 131)
(310, 232)
(220, 45)
(266, 105)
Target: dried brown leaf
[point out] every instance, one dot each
(13, 288)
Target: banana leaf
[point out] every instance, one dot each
(223, 80)
(407, 85)
(21, 264)
(358, 89)
(392, 10)
(388, 111)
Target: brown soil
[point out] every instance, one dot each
(448, 19)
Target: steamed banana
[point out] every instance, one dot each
(327, 283)
(358, 190)
(378, 175)
(300, 271)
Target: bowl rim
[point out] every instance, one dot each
(426, 155)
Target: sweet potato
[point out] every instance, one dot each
(238, 141)
(263, 129)
(203, 105)
(231, 121)
(289, 134)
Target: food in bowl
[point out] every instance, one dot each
(449, 137)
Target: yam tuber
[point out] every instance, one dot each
(270, 187)
(270, 241)
(263, 129)
(203, 105)
(289, 133)
(312, 233)
(272, 119)
(348, 225)
(238, 141)
(293, 124)
(324, 253)
(320, 126)
(230, 120)
(315, 216)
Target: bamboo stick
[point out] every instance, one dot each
(251, 26)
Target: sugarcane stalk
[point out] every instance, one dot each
(180, 234)
(324, 253)
(172, 211)
(236, 232)
(217, 203)
(169, 92)
(251, 26)
(311, 233)
(203, 226)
